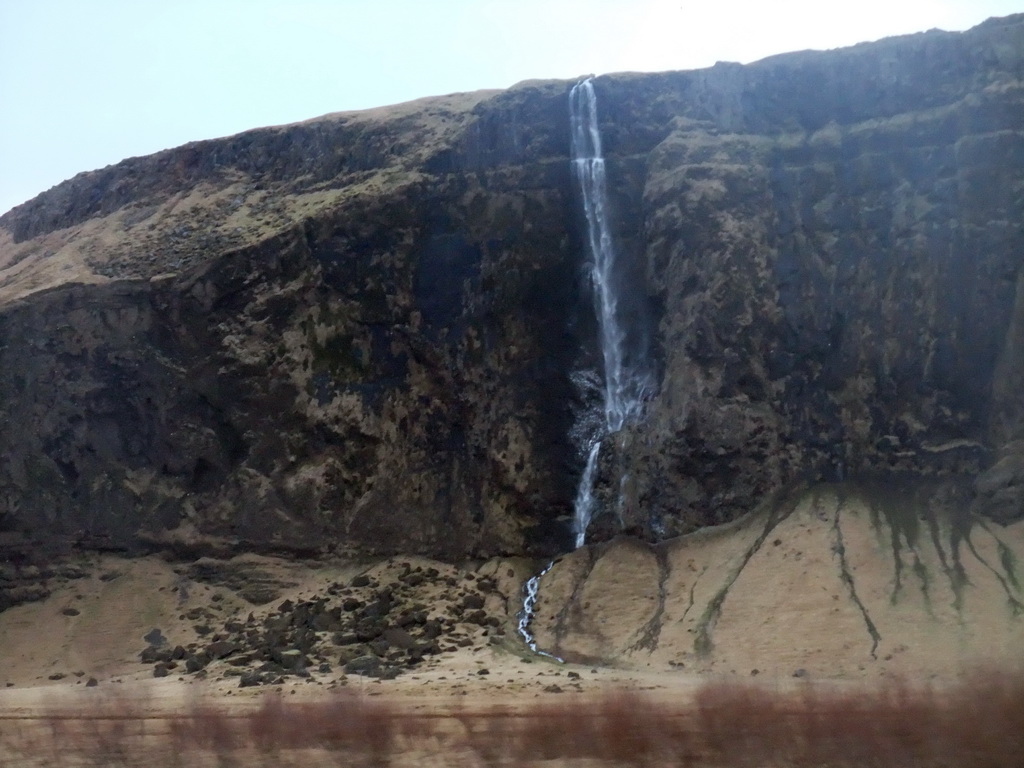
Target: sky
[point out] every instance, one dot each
(86, 83)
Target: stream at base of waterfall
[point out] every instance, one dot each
(625, 385)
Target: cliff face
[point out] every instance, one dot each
(350, 332)
(361, 331)
(836, 242)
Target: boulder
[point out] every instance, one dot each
(369, 666)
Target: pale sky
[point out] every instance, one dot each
(86, 83)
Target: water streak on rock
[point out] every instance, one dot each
(626, 381)
(530, 592)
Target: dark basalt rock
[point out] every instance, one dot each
(472, 601)
(364, 665)
(221, 649)
(155, 638)
(363, 333)
(287, 642)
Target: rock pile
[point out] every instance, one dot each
(377, 626)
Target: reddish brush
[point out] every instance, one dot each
(976, 724)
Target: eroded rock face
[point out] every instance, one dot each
(835, 580)
(360, 331)
(387, 372)
(836, 242)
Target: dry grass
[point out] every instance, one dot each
(977, 724)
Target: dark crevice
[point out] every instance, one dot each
(1006, 556)
(894, 538)
(955, 582)
(922, 574)
(651, 632)
(572, 605)
(779, 511)
(918, 567)
(693, 587)
(845, 575)
(1008, 561)
(904, 517)
(957, 534)
(1016, 606)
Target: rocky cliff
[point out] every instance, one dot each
(836, 242)
(362, 332)
(354, 331)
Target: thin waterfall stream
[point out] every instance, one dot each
(626, 379)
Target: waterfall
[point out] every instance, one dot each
(626, 378)
(526, 614)
(583, 507)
